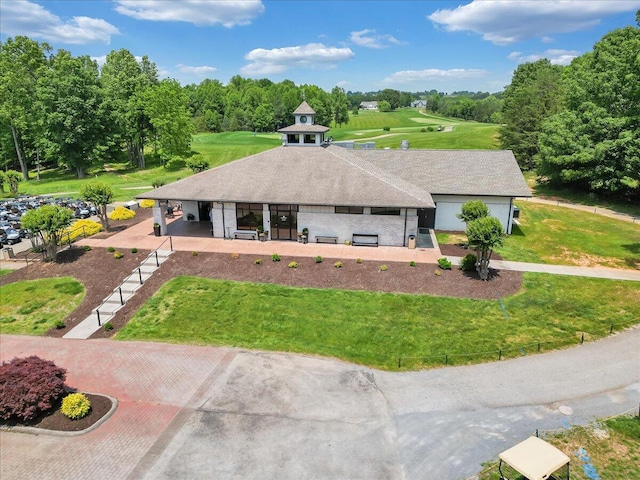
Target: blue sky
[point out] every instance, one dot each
(359, 45)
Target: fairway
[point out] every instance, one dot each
(376, 328)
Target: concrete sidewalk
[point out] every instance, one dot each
(594, 272)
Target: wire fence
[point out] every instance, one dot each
(511, 351)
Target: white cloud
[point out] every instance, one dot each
(555, 56)
(202, 70)
(278, 60)
(431, 74)
(343, 83)
(507, 21)
(369, 39)
(21, 17)
(228, 13)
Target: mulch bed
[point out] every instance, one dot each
(101, 273)
(55, 420)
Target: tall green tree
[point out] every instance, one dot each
(339, 106)
(72, 121)
(391, 96)
(48, 223)
(167, 107)
(595, 144)
(124, 83)
(536, 92)
(21, 61)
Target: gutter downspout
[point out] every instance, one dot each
(404, 237)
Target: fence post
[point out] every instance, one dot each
(611, 329)
(171, 244)
(500, 354)
(446, 359)
(538, 346)
(98, 313)
(121, 299)
(157, 263)
(140, 275)
(399, 362)
(582, 339)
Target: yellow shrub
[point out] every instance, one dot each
(75, 406)
(122, 213)
(147, 203)
(80, 229)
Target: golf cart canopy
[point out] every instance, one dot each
(534, 458)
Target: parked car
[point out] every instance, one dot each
(11, 236)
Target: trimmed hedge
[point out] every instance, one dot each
(121, 213)
(28, 387)
(82, 228)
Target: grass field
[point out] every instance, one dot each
(563, 236)
(32, 307)
(611, 448)
(407, 124)
(376, 328)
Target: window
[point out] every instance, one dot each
(352, 210)
(293, 138)
(385, 211)
(249, 216)
(309, 138)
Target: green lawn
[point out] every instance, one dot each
(376, 328)
(5, 271)
(407, 124)
(612, 448)
(564, 236)
(32, 307)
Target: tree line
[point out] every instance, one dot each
(579, 126)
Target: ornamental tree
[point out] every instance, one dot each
(100, 194)
(473, 210)
(28, 387)
(484, 235)
(48, 223)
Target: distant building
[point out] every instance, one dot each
(419, 104)
(369, 105)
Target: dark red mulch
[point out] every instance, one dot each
(55, 420)
(399, 278)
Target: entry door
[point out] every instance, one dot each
(284, 222)
(204, 209)
(426, 217)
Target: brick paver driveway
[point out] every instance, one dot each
(203, 412)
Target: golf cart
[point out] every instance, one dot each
(534, 459)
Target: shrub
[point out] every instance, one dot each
(75, 406)
(235, 256)
(108, 327)
(194, 254)
(430, 129)
(293, 265)
(59, 324)
(347, 242)
(444, 263)
(258, 261)
(383, 268)
(412, 263)
(157, 183)
(386, 129)
(358, 261)
(468, 262)
(275, 257)
(338, 264)
(318, 259)
(81, 228)
(423, 130)
(118, 255)
(28, 387)
(437, 273)
(87, 248)
(147, 203)
(121, 213)
(134, 250)
(111, 249)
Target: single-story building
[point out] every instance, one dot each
(369, 105)
(419, 104)
(362, 195)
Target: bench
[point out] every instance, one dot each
(365, 239)
(326, 239)
(245, 235)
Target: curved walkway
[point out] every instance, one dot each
(205, 412)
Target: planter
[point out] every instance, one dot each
(156, 230)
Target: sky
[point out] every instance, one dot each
(358, 45)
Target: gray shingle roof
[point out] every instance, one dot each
(332, 175)
(304, 109)
(304, 128)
